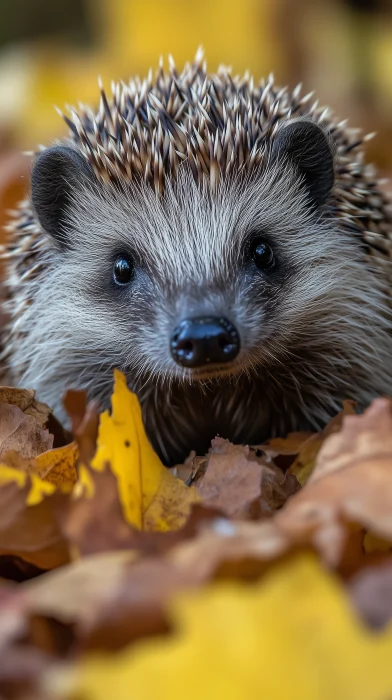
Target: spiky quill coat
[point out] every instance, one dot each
(154, 137)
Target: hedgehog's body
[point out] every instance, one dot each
(215, 204)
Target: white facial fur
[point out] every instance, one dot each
(312, 333)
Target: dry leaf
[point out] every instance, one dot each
(290, 445)
(93, 520)
(295, 615)
(241, 485)
(367, 436)
(304, 463)
(231, 549)
(106, 600)
(85, 422)
(232, 484)
(28, 525)
(21, 433)
(57, 466)
(351, 485)
(151, 497)
(25, 400)
(371, 593)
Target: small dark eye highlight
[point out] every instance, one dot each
(123, 270)
(262, 254)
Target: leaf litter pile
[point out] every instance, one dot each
(251, 572)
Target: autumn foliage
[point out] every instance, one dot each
(252, 572)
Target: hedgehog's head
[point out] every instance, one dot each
(192, 283)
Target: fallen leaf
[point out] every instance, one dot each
(290, 445)
(151, 497)
(26, 401)
(93, 520)
(225, 549)
(85, 422)
(21, 433)
(232, 484)
(75, 404)
(107, 600)
(283, 451)
(367, 436)
(371, 593)
(351, 487)
(58, 466)
(28, 525)
(238, 637)
(241, 485)
(191, 471)
(304, 463)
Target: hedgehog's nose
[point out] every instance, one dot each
(202, 341)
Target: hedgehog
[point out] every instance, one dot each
(221, 242)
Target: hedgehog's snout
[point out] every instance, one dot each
(197, 342)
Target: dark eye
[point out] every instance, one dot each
(262, 254)
(123, 269)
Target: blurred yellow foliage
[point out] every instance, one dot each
(290, 636)
(132, 35)
(343, 54)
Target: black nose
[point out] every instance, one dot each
(202, 341)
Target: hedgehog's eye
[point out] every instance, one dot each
(123, 269)
(262, 254)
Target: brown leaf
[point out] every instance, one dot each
(330, 514)
(75, 404)
(100, 602)
(96, 523)
(191, 471)
(277, 486)
(366, 436)
(242, 485)
(21, 433)
(304, 464)
(290, 445)
(25, 400)
(12, 616)
(224, 548)
(352, 485)
(30, 532)
(108, 599)
(371, 593)
(232, 484)
(85, 422)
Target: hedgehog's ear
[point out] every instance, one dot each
(56, 173)
(305, 144)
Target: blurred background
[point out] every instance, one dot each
(51, 52)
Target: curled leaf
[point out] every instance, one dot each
(21, 433)
(152, 498)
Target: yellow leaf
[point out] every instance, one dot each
(8, 474)
(59, 465)
(38, 489)
(84, 487)
(151, 497)
(292, 636)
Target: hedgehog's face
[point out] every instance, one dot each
(194, 284)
